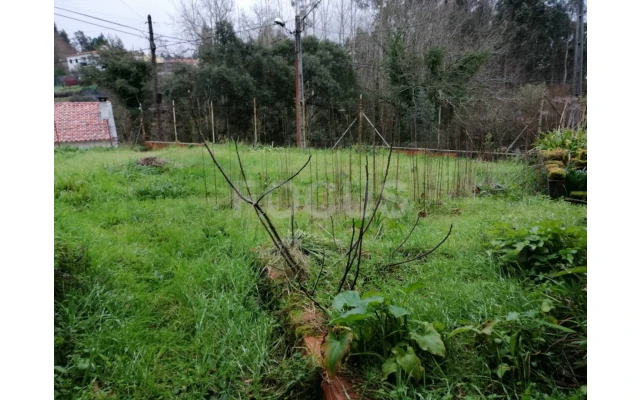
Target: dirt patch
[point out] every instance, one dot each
(152, 162)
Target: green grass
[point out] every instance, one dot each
(169, 306)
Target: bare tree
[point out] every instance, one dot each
(192, 16)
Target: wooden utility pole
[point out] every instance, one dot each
(299, 85)
(577, 66)
(158, 99)
(255, 123)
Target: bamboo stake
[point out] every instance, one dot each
(255, 123)
(175, 130)
(213, 125)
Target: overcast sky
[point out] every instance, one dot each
(126, 12)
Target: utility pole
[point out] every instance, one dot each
(577, 66)
(158, 99)
(299, 85)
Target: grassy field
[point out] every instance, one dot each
(158, 295)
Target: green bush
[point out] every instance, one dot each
(546, 247)
(571, 141)
(576, 181)
(372, 325)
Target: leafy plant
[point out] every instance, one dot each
(576, 180)
(571, 141)
(547, 246)
(382, 329)
(517, 344)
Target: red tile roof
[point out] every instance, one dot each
(79, 122)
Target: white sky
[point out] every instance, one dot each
(127, 12)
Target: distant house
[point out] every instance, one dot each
(169, 64)
(84, 124)
(78, 60)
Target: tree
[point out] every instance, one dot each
(537, 34)
(85, 43)
(121, 73)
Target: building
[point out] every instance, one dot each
(78, 60)
(84, 124)
(169, 64)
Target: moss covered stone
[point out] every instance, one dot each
(578, 195)
(557, 174)
(555, 154)
(554, 163)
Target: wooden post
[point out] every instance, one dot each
(175, 129)
(213, 125)
(144, 133)
(360, 121)
(255, 123)
(439, 120)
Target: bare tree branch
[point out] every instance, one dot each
(423, 255)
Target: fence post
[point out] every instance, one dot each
(175, 130)
(255, 123)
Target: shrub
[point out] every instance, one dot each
(546, 247)
(568, 140)
(373, 325)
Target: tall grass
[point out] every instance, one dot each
(166, 303)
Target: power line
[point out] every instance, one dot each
(102, 26)
(107, 14)
(312, 8)
(127, 52)
(100, 19)
(126, 5)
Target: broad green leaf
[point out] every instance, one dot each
(412, 287)
(546, 307)
(409, 362)
(487, 327)
(398, 311)
(60, 369)
(502, 368)
(438, 325)
(335, 346)
(372, 294)
(430, 341)
(355, 314)
(373, 300)
(389, 367)
(349, 298)
(463, 329)
(512, 316)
